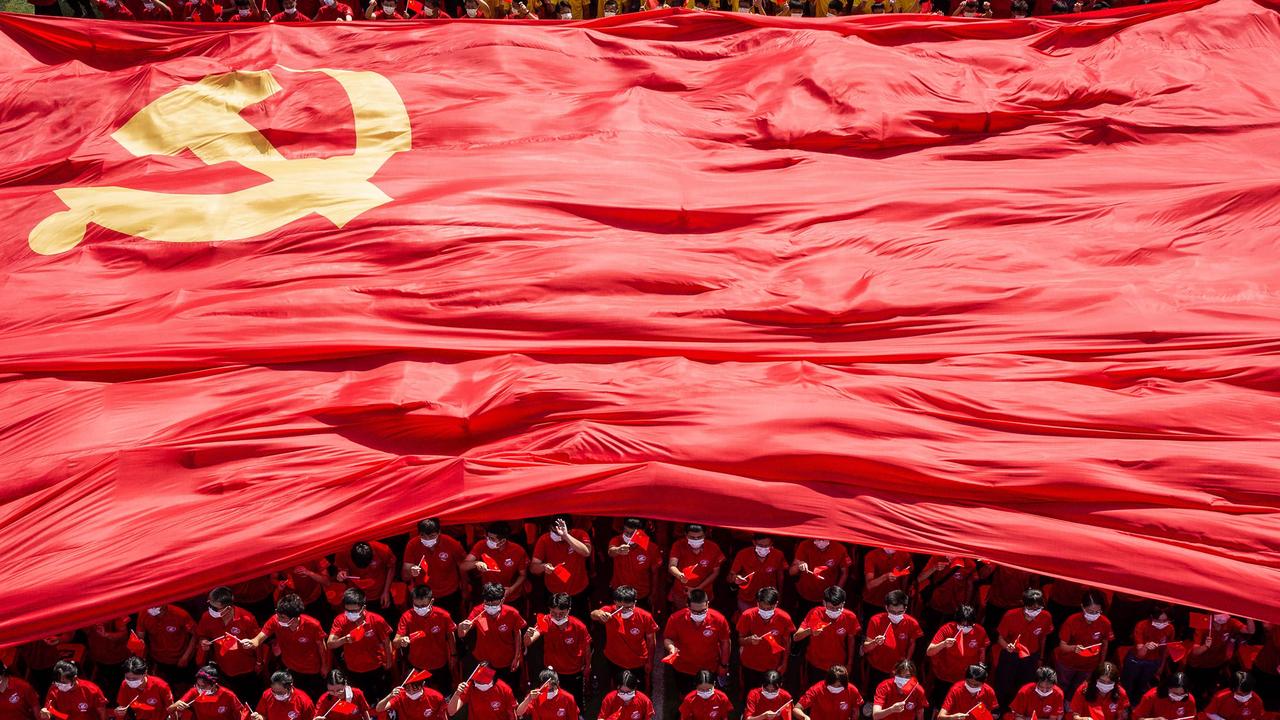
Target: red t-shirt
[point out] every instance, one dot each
(221, 705)
(443, 558)
(1007, 586)
(1030, 633)
(430, 649)
(355, 696)
(1144, 632)
(888, 693)
(960, 700)
(761, 656)
(497, 636)
(297, 707)
(877, 563)
(337, 11)
(379, 14)
(167, 634)
(19, 701)
(1067, 593)
(1111, 705)
(1152, 705)
(496, 703)
(200, 12)
(716, 707)
(296, 17)
(698, 644)
(757, 703)
(560, 553)
(1028, 701)
(565, 647)
(304, 585)
(636, 567)
(708, 558)
(822, 704)
(639, 707)
(1220, 649)
(109, 642)
(254, 591)
(830, 646)
(429, 706)
(302, 646)
(884, 657)
(82, 703)
(626, 640)
(1226, 706)
(953, 590)
(369, 652)
(1268, 660)
(511, 560)
(149, 702)
(971, 648)
(1078, 631)
(235, 660)
(116, 12)
(373, 578)
(560, 707)
(252, 17)
(835, 558)
(768, 571)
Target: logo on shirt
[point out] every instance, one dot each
(83, 707)
(560, 712)
(635, 631)
(14, 698)
(635, 716)
(426, 712)
(503, 628)
(222, 709)
(234, 631)
(911, 706)
(715, 711)
(568, 641)
(642, 559)
(151, 701)
(435, 629)
(840, 631)
(495, 705)
(171, 628)
(708, 632)
(1113, 707)
(293, 715)
(508, 562)
(1036, 631)
(444, 557)
(844, 705)
(303, 638)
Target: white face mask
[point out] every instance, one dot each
(888, 551)
(330, 3)
(706, 694)
(1177, 697)
(626, 696)
(206, 691)
(895, 618)
(280, 696)
(244, 12)
(388, 9)
(696, 544)
(560, 621)
(966, 628)
(352, 615)
(835, 689)
(429, 542)
(821, 544)
(471, 12)
(64, 687)
(552, 693)
(1221, 618)
(493, 609)
(557, 537)
(626, 613)
(421, 611)
(762, 552)
(833, 614)
(290, 10)
(1243, 698)
(768, 695)
(153, 612)
(413, 695)
(901, 681)
(135, 683)
(698, 617)
(483, 687)
(1091, 616)
(972, 689)
(1044, 693)
(1032, 614)
(566, 16)
(766, 614)
(223, 611)
(284, 622)
(1105, 687)
(1159, 625)
(493, 544)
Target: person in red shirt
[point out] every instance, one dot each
(1150, 638)
(900, 697)
(201, 11)
(300, 642)
(333, 11)
(832, 699)
(818, 565)
(414, 700)
(282, 701)
(1082, 643)
(384, 11)
(1005, 594)
(341, 701)
(498, 628)
(114, 10)
(18, 700)
(428, 632)
(443, 572)
(108, 647)
(289, 13)
(39, 656)
(498, 560)
(947, 583)
(1266, 667)
(764, 638)
(71, 698)
(1101, 695)
(208, 700)
(760, 566)
(956, 646)
(156, 11)
(1211, 650)
(365, 639)
(146, 696)
(169, 633)
(695, 564)
(884, 570)
(768, 701)
(637, 559)
(891, 637)
(705, 702)
(246, 12)
(1170, 701)
(969, 693)
(699, 638)
(369, 566)
(431, 11)
(560, 556)
(566, 644)
(1021, 637)
(226, 633)
(485, 696)
(626, 702)
(1041, 698)
(548, 701)
(832, 630)
(1237, 702)
(631, 634)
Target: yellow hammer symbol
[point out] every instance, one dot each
(204, 118)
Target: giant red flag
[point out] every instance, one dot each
(983, 288)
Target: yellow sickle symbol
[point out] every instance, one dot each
(204, 118)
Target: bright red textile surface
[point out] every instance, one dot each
(1005, 289)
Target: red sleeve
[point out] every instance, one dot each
(262, 704)
(806, 700)
(1078, 705)
(791, 625)
(540, 547)
(753, 699)
(916, 631)
(857, 696)
(1215, 703)
(269, 627)
(737, 567)
(882, 692)
(1019, 704)
(742, 624)
(686, 709)
(951, 699)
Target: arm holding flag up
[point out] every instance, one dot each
(482, 673)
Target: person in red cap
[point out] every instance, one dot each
(1170, 701)
(1021, 638)
(485, 695)
(637, 560)
(956, 646)
(566, 644)
(1100, 697)
(884, 570)
(300, 640)
(169, 633)
(208, 700)
(764, 638)
(498, 628)
(369, 566)
(146, 696)
(1237, 701)
(71, 698)
(428, 633)
(226, 631)
(365, 639)
(834, 698)
(695, 564)
(1082, 642)
(1042, 698)
(499, 560)
(696, 639)
(900, 697)
(760, 566)
(831, 629)
(819, 564)
(548, 701)
(705, 701)
(435, 559)
(968, 694)
(626, 702)
(283, 701)
(18, 700)
(769, 700)
(414, 700)
(560, 557)
(341, 701)
(630, 634)
(891, 637)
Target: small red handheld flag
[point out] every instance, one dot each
(640, 540)
(901, 572)
(691, 574)
(333, 593)
(1248, 654)
(56, 714)
(772, 642)
(416, 635)
(910, 687)
(136, 646)
(415, 6)
(343, 707)
(399, 593)
(671, 659)
(423, 564)
(1097, 713)
(358, 633)
(542, 623)
(418, 676)
(819, 570)
(1089, 650)
(483, 675)
(489, 562)
(561, 573)
(227, 643)
(1022, 650)
(1200, 621)
(1177, 651)
(980, 712)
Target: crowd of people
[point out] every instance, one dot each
(628, 619)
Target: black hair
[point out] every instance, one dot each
(430, 526)
(697, 595)
(561, 601)
(905, 665)
(966, 615)
(65, 669)
(838, 675)
(493, 591)
(1091, 597)
(767, 595)
(223, 596)
(773, 677)
(282, 677)
(629, 680)
(290, 606)
(336, 677)
(1046, 674)
(1032, 598)
(625, 594)
(976, 672)
(1172, 680)
(500, 530)
(704, 677)
(361, 554)
(134, 665)
(1242, 682)
(895, 597)
(693, 528)
(633, 523)
(1105, 668)
(549, 676)
(353, 596)
(423, 592)
(835, 595)
(208, 672)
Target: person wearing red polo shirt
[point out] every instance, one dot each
(282, 701)
(365, 639)
(341, 701)
(289, 13)
(818, 565)
(560, 557)
(155, 11)
(1266, 667)
(1041, 698)
(956, 646)
(246, 11)
(1150, 638)
(498, 560)
(114, 10)
(1169, 701)
(695, 639)
(169, 633)
(1082, 643)
(1237, 701)
(442, 570)
(631, 634)
(39, 656)
(548, 701)
(764, 638)
(832, 630)
(485, 696)
(1100, 697)
(760, 566)
(428, 632)
(1211, 650)
(333, 11)
(18, 700)
(705, 702)
(768, 701)
(626, 702)
(695, 564)
(369, 566)
(891, 637)
(71, 698)
(1021, 637)
(1005, 594)
(208, 700)
(498, 628)
(834, 698)
(146, 696)
(884, 570)
(414, 700)
(226, 631)
(566, 644)
(108, 647)
(900, 697)
(637, 560)
(968, 694)
(947, 583)
(300, 642)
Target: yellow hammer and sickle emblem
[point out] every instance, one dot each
(204, 118)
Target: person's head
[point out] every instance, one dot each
(771, 684)
(706, 684)
(549, 679)
(243, 7)
(290, 6)
(429, 529)
(1242, 686)
(975, 676)
(65, 674)
(835, 8)
(353, 602)
(207, 679)
(492, 595)
(1046, 680)
(495, 534)
(564, 11)
(767, 601)
(795, 7)
(361, 554)
(1103, 681)
(1160, 616)
(430, 8)
(903, 672)
(698, 603)
(1032, 602)
(895, 604)
(562, 518)
(135, 671)
(1173, 687)
(423, 598)
(695, 535)
(833, 600)
(282, 684)
(1091, 605)
(336, 682)
(630, 525)
(561, 604)
(763, 544)
(1018, 8)
(625, 597)
(288, 609)
(877, 8)
(837, 678)
(4, 676)
(965, 618)
(628, 683)
(220, 599)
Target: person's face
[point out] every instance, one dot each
(764, 543)
(429, 537)
(975, 684)
(493, 605)
(625, 606)
(337, 690)
(135, 678)
(704, 687)
(766, 606)
(1162, 618)
(1107, 678)
(216, 606)
(699, 535)
(279, 689)
(1092, 609)
(903, 674)
(204, 685)
(353, 608)
(494, 540)
(414, 687)
(896, 609)
(423, 602)
(1044, 685)
(559, 613)
(697, 608)
(286, 620)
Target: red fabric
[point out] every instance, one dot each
(496, 703)
(946, 359)
(570, 575)
(341, 708)
(960, 700)
(1152, 706)
(970, 648)
(897, 640)
(20, 701)
(497, 636)
(1016, 628)
(443, 560)
(1106, 706)
(1078, 631)
(825, 567)
(560, 707)
(429, 706)
(912, 694)
(369, 651)
(225, 635)
(639, 707)
(759, 572)
(564, 647)
(697, 644)
(82, 703)
(1027, 702)
(297, 707)
(764, 656)
(716, 707)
